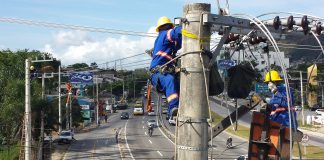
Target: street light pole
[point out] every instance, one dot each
(59, 100)
(27, 112)
(302, 96)
(97, 100)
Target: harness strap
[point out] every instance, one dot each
(280, 109)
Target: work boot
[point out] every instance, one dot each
(174, 112)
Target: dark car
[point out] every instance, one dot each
(124, 115)
(315, 107)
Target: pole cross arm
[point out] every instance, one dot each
(226, 21)
(243, 26)
(242, 110)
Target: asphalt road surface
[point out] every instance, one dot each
(134, 142)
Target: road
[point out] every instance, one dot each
(134, 143)
(98, 143)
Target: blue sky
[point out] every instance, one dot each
(134, 15)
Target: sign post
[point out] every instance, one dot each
(305, 140)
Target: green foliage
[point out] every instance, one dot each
(9, 152)
(78, 65)
(12, 93)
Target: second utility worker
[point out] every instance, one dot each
(166, 46)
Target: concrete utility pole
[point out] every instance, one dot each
(302, 96)
(192, 138)
(27, 124)
(59, 100)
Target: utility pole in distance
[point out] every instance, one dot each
(192, 138)
(28, 138)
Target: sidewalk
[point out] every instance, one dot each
(318, 132)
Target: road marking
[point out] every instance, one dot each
(166, 136)
(160, 153)
(143, 127)
(142, 121)
(145, 133)
(129, 150)
(106, 142)
(150, 141)
(143, 117)
(121, 147)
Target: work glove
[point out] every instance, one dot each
(149, 52)
(273, 88)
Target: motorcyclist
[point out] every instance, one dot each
(150, 129)
(229, 142)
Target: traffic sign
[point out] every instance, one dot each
(261, 88)
(226, 63)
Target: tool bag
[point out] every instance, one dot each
(240, 80)
(216, 84)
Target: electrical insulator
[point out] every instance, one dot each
(318, 28)
(232, 37)
(276, 23)
(256, 40)
(290, 22)
(304, 24)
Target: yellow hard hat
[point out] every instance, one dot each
(162, 21)
(272, 76)
(31, 67)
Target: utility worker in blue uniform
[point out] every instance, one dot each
(166, 46)
(278, 102)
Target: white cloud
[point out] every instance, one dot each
(79, 47)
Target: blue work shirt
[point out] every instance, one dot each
(279, 106)
(166, 45)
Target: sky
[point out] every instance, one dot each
(71, 46)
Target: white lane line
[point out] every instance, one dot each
(150, 141)
(160, 153)
(143, 127)
(129, 150)
(142, 121)
(166, 136)
(121, 154)
(106, 142)
(145, 133)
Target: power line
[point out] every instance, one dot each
(75, 27)
(311, 49)
(136, 64)
(121, 59)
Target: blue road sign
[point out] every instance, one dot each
(226, 63)
(81, 77)
(261, 88)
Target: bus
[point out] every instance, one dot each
(138, 108)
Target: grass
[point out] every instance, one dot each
(313, 152)
(9, 153)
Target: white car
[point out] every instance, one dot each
(320, 112)
(66, 136)
(152, 113)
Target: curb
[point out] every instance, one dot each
(315, 134)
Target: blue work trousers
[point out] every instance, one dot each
(169, 85)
